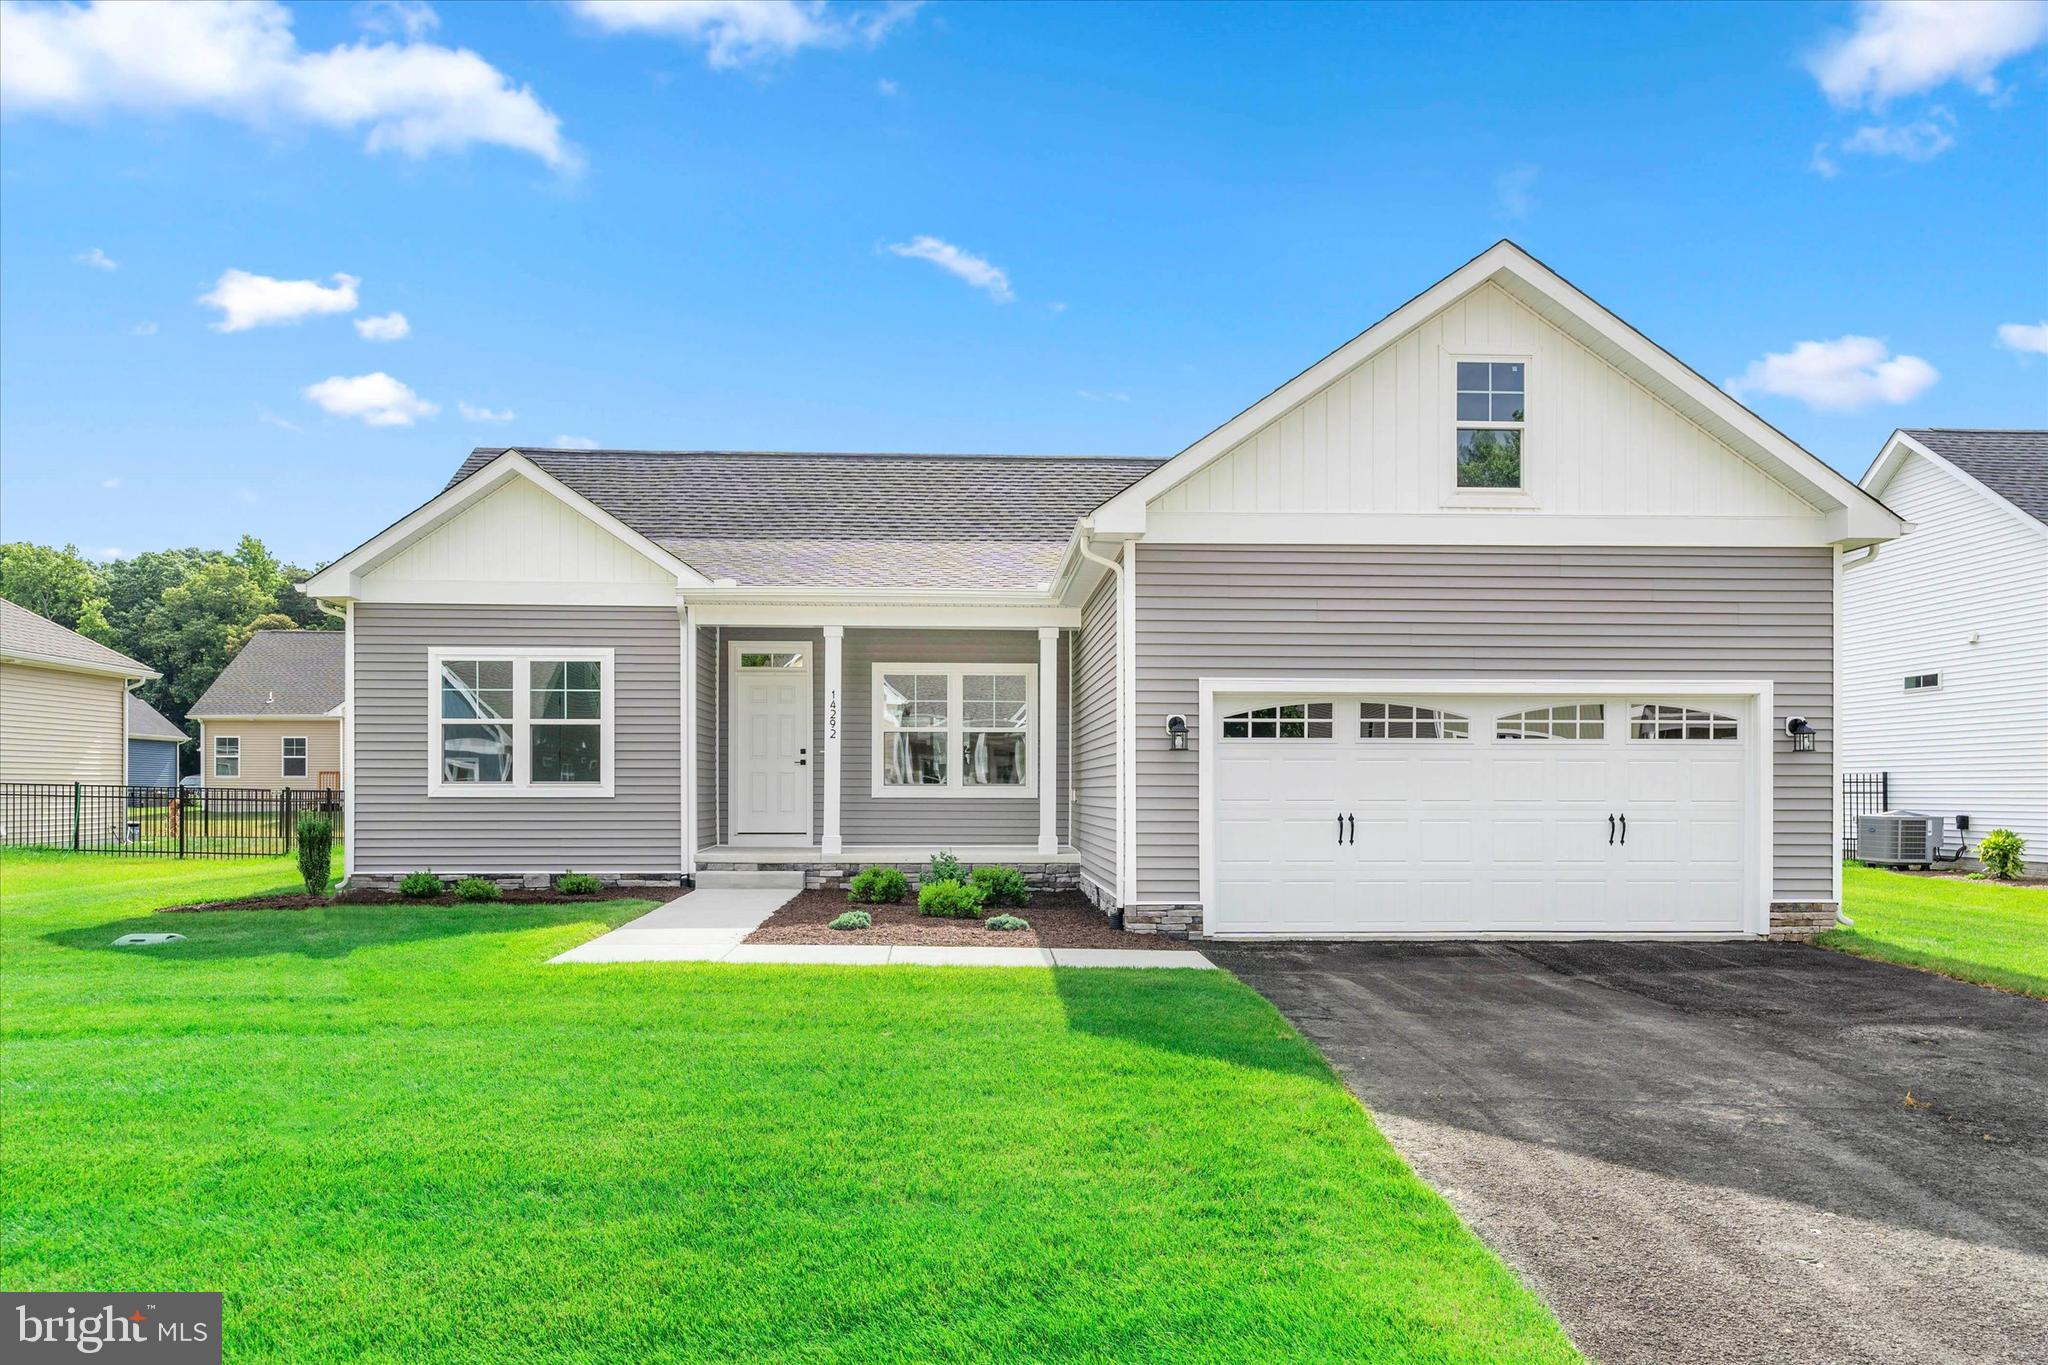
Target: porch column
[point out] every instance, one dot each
(828, 841)
(1049, 739)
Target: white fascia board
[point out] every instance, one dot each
(911, 615)
(1879, 476)
(342, 578)
(271, 715)
(1507, 527)
(138, 674)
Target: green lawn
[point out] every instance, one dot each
(395, 1134)
(1974, 931)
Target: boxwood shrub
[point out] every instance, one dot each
(949, 900)
(478, 889)
(420, 885)
(1002, 886)
(878, 886)
(578, 884)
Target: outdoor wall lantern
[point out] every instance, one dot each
(1177, 732)
(1801, 732)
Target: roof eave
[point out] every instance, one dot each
(137, 674)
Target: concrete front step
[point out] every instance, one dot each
(751, 879)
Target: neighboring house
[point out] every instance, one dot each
(152, 746)
(1945, 633)
(1491, 621)
(273, 718)
(63, 721)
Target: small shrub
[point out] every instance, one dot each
(1006, 922)
(420, 885)
(578, 884)
(878, 886)
(2003, 854)
(478, 889)
(1001, 886)
(945, 868)
(852, 919)
(949, 900)
(316, 852)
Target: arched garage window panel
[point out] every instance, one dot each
(1662, 720)
(1289, 720)
(1399, 720)
(1573, 720)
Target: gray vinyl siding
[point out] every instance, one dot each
(1095, 737)
(865, 818)
(398, 827)
(1447, 611)
(710, 815)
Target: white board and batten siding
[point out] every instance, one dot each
(1965, 596)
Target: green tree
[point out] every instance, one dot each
(197, 625)
(62, 585)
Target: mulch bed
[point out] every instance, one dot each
(368, 897)
(1059, 919)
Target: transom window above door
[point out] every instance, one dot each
(1399, 720)
(1492, 404)
(1283, 720)
(523, 723)
(955, 730)
(1571, 720)
(1662, 720)
(772, 658)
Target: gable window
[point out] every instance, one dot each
(1922, 682)
(1287, 720)
(1661, 720)
(294, 756)
(955, 730)
(534, 723)
(1399, 720)
(1492, 402)
(1574, 720)
(227, 756)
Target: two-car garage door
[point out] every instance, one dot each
(1416, 814)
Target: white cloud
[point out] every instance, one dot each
(2024, 337)
(574, 443)
(1921, 140)
(885, 86)
(377, 399)
(271, 419)
(1842, 375)
(97, 259)
(471, 413)
(963, 265)
(242, 61)
(142, 329)
(1514, 190)
(1103, 395)
(413, 18)
(1905, 47)
(110, 483)
(247, 300)
(1823, 164)
(736, 33)
(390, 327)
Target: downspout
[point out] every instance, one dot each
(1122, 750)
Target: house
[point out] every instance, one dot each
(274, 716)
(1492, 621)
(152, 746)
(1945, 633)
(63, 721)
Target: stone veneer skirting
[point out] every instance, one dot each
(832, 873)
(520, 881)
(1799, 920)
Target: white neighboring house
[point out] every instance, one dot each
(1945, 632)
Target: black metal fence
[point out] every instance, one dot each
(160, 822)
(1862, 794)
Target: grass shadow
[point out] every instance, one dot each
(1205, 1014)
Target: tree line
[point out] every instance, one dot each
(185, 613)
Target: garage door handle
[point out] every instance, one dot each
(1354, 829)
(1624, 831)
(1340, 828)
(1610, 829)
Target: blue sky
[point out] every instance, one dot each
(1012, 228)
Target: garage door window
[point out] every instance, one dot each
(1292, 720)
(1398, 720)
(1577, 720)
(1660, 720)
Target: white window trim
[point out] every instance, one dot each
(1938, 675)
(215, 756)
(956, 786)
(284, 759)
(521, 723)
(1454, 496)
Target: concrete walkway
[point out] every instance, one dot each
(711, 925)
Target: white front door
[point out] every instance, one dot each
(771, 738)
(1447, 815)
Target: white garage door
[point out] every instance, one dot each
(1467, 815)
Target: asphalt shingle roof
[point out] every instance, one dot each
(146, 722)
(22, 632)
(813, 520)
(278, 673)
(2012, 464)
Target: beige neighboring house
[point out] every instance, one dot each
(273, 717)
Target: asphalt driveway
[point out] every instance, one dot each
(1710, 1152)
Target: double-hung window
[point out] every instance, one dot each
(227, 756)
(1493, 410)
(293, 757)
(955, 729)
(527, 722)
